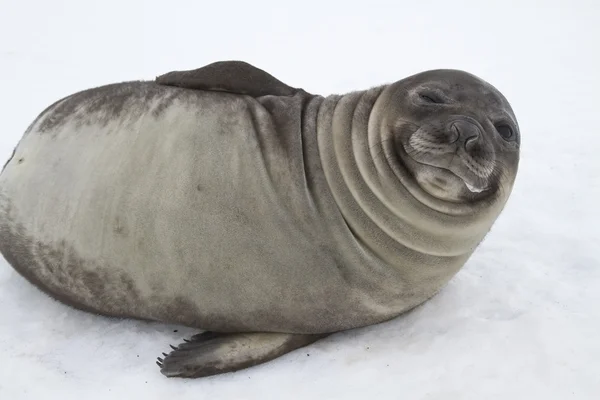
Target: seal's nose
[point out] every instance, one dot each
(466, 132)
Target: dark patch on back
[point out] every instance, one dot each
(165, 103)
(107, 103)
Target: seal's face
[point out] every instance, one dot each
(456, 135)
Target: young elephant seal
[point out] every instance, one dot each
(224, 199)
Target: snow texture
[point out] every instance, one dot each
(520, 321)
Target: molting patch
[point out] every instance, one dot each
(59, 271)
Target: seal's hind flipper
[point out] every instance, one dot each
(229, 76)
(211, 353)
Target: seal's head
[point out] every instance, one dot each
(455, 135)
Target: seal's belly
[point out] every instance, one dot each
(167, 213)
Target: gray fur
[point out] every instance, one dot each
(240, 210)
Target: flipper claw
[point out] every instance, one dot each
(211, 353)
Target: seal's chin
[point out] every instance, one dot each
(446, 185)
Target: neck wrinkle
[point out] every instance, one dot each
(343, 122)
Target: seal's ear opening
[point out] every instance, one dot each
(229, 76)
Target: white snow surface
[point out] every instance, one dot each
(520, 321)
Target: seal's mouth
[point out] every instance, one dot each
(474, 185)
(474, 189)
(443, 174)
(444, 183)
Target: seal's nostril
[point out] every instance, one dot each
(468, 133)
(454, 134)
(470, 142)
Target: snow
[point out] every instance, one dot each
(520, 321)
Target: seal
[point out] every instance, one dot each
(265, 216)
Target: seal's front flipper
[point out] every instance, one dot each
(211, 353)
(229, 76)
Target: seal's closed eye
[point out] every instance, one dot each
(433, 96)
